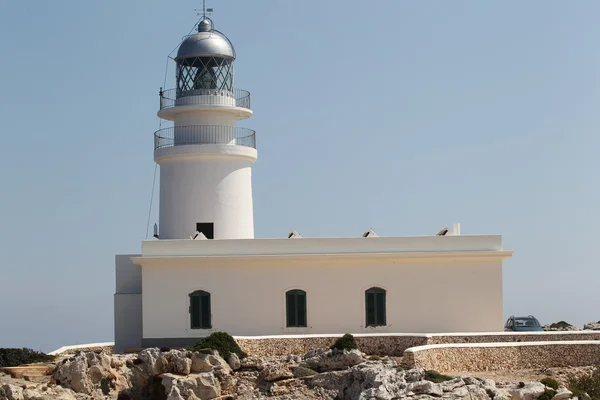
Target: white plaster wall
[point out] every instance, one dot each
(206, 187)
(205, 117)
(433, 295)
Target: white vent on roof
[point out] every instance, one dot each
(198, 236)
(370, 233)
(443, 232)
(293, 234)
(456, 229)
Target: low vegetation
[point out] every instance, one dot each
(551, 383)
(588, 383)
(436, 377)
(301, 372)
(560, 325)
(222, 342)
(547, 395)
(346, 342)
(16, 357)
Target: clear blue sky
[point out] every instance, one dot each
(403, 116)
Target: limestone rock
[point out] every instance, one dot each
(32, 394)
(453, 384)
(594, 326)
(174, 394)
(562, 393)
(414, 375)
(13, 392)
(365, 381)
(331, 360)
(72, 373)
(425, 387)
(204, 385)
(234, 362)
(530, 391)
(207, 362)
(276, 372)
(200, 363)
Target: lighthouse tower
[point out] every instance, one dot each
(205, 159)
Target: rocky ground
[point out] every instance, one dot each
(319, 374)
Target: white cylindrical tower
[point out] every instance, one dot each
(205, 159)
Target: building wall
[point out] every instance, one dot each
(127, 303)
(248, 297)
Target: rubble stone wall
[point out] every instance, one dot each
(395, 345)
(392, 345)
(503, 356)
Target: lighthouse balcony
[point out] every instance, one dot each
(173, 101)
(204, 134)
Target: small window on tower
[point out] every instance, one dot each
(207, 228)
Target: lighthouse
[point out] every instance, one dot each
(205, 159)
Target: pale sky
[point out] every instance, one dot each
(401, 116)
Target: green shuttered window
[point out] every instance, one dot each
(296, 308)
(200, 310)
(375, 306)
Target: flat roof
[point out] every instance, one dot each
(409, 246)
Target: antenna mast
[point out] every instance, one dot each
(204, 10)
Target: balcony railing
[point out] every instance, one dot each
(208, 97)
(204, 134)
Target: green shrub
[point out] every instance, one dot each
(300, 372)
(560, 325)
(589, 383)
(222, 342)
(2, 392)
(346, 342)
(551, 383)
(16, 357)
(547, 395)
(436, 377)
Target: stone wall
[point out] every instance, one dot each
(502, 337)
(107, 348)
(395, 344)
(392, 345)
(503, 356)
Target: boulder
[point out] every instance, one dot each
(72, 373)
(331, 360)
(455, 383)
(365, 381)
(530, 391)
(275, 372)
(414, 375)
(174, 394)
(204, 385)
(13, 392)
(201, 362)
(425, 387)
(594, 326)
(234, 362)
(32, 394)
(562, 393)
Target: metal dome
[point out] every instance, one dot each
(207, 42)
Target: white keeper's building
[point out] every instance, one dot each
(205, 272)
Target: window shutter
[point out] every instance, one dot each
(195, 311)
(291, 309)
(370, 308)
(301, 301)
(206, 320)
(380, 303)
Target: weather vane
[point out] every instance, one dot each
(204, 9)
